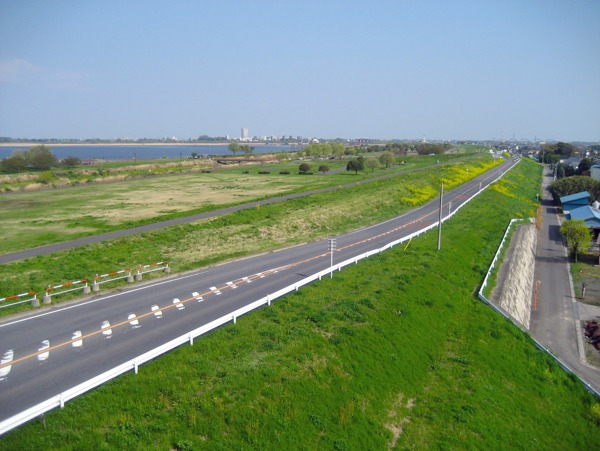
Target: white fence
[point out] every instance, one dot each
(133, 364)
(518, 324)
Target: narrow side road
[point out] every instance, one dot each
(555, 320)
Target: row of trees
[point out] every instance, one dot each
(553, 153)
(567, 170)
(37, 158)
(359, 164)
(356, 164)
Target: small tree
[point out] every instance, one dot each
(356, 165)
(372, 163)
(576, 234)
(248, 150)
(234, 147)
(304, 168)
(387, 159)
(40, 158)
(323, 168)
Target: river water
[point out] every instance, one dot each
(141, 152)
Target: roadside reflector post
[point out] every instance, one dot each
(331, 249)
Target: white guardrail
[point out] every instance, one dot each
(133, 364)
(500, 310)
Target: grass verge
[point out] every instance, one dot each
(393, 352)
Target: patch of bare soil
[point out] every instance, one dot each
(396, 425)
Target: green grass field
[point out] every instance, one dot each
(33, 219)
(209, 241)
(395, 352)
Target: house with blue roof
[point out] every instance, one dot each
(573, 201)
(589, 215)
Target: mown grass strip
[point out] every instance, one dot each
(395, 351)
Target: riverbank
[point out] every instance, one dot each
(138, 144)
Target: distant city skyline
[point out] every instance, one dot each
(432, 69)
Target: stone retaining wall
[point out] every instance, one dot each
(514, 290)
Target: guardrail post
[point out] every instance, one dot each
(138, 276)
(167, 268)
(95, 285)
(86, 288)
(47, 299)
(35, 302)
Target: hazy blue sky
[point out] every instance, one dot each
(446, 69)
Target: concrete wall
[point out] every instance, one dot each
(514, 292)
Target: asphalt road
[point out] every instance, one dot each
(40, 358)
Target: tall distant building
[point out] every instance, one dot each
(245, 135)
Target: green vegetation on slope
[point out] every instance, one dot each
(393, 351)
(191, 245)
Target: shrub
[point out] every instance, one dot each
(595, 410)
(46, 177)
(304, 168)
(264, 172)
(284, 172)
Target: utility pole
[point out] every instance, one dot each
(440, 223)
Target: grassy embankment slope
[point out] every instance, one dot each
(68, 213)
(395, 351)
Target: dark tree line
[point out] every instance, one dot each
(576, 184)
(553, 153)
